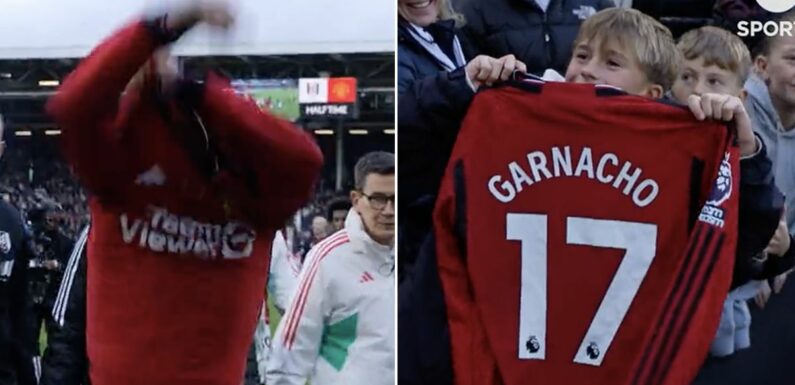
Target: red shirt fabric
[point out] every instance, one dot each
(584, 236)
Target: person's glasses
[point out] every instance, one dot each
(379, 201)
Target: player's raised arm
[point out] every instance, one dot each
(87, 105)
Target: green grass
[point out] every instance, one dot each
(43, 339)
(288, 97)
(274, 315)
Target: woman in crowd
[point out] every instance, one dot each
(436, 83)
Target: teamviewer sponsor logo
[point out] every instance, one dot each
(768, 28)
(164, 232)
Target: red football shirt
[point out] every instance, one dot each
(178, 255)
(584, 236)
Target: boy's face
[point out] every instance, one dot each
(697, 79)
(610, 63)
(778, 71)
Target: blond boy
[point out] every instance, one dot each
(627, 49)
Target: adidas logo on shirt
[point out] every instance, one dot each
(152, 177)
(366, 277)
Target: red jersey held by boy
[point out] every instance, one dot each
(584, 236)
(179, 253)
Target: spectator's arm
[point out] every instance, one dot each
(432, 103)
(775, 265)
(430, 110)
(760, 208)
(270, 164)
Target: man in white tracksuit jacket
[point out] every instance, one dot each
(283, 278)
(340, 325)
(285, 267)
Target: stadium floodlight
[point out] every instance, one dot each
(23, 133)
(357, 132)
(52, 132)
(389, 131)
(49, 83)
(324, 132)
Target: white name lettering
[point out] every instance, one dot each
(622, 176)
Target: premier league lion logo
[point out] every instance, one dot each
(593, 351)
(722, 189)
(532, 345)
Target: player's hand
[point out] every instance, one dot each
(726, 108)
(763, 295)
(780, 242)
(216, 13)
(778, 282)
(488, 70)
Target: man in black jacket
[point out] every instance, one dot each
(539, 33)
(52, 249)
(65, 361)
(19, 363)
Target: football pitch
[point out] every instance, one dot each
(283, 101)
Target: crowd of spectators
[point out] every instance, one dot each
(29, 183)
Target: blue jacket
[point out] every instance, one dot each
(431, 103)
(540, 39)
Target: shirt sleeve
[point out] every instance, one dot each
(86, 106)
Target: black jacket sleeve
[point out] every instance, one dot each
(761, 205)
(26, 349)
(65, 360)
(430, 110)
(424, 338)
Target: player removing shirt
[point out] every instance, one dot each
(189, 183)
